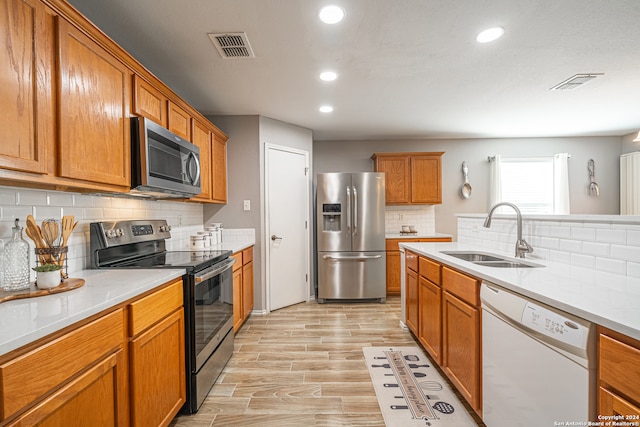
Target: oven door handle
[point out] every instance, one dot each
(215, 270)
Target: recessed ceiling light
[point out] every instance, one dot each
(328, 76)
(331, 14)
(490, 35)
(326, 109)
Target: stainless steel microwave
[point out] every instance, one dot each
(163, 164)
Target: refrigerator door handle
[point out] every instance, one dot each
(351, 258)
(348, 210)
(355, 211)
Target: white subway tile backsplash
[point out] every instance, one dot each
(608, 246)
(612, 235)
(583, 234)
(626, 253)
(185, 218)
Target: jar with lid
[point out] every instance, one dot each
(196, 243)
(16, 261)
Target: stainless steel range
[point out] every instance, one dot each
(208, 292)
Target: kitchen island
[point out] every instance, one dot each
(607, 299)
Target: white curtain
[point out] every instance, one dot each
(495, 188)
(561, 202)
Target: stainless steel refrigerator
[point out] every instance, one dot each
(350, 236)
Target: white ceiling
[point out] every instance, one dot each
(407, 69)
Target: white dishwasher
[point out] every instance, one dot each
(538, 363)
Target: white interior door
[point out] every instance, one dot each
(287, 205)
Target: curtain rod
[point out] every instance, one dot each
(492, 158)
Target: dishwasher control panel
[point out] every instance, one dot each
(554, 325)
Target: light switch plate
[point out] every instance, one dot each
(247, 205)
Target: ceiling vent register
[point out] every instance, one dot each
(232, 45)
(576, 81)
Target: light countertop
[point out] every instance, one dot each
(26, 320)
(418, 235)
(609, 300)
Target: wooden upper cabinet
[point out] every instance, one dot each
(426, 179)
(27, 104)
(179, 121)
(219, 166)
(149, 102)
(95, 93)
(397, 176)
(411, 178)
(202, 137)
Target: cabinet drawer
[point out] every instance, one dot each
(411, 260)
(247, 256)
(152, 308)
(238, 258)
(429, 270)
(619, 366)
(27, 378)
(464, 287)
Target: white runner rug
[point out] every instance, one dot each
(411, 392)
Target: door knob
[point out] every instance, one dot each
(274, 237)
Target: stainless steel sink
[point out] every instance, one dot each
(491, 260)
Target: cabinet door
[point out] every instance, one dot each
(237, 299)
(179, 121)
(149, 102)
(610, 404)
(430, 331)
(202, 139)
(26, 64)
(247, 290)
(157, 378)
(98, 397)
(461, 347)
(219, 173)
(95, 93)
(426, 179)
(411, 303)
(393, 272)
(397, 184)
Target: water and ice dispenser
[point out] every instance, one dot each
(331, 216)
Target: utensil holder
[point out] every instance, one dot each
(56, 255)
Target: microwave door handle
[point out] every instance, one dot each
(193, 160)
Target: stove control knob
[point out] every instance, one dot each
(111, 233)
(120, 232)
(165, 228)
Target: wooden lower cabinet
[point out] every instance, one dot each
(242, 287)
(430, 318)
(123, 367)
(461, 342)
(618, 375)
(156, 355)
(443, 312)
(394, 258)
(411, 303)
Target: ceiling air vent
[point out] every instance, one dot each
(576, 81)
(232, 45)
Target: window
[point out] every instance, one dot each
(537, 185)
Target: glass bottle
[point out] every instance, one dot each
(16, 261)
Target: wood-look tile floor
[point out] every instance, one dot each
(303, 366)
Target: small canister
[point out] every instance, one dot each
(205, 238)
(212, 235)
(196, 242)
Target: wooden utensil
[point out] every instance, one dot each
(34, 233)
(51, 232)
(67, 228)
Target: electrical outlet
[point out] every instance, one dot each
(179, 220)
(400, 216)
(247, 205)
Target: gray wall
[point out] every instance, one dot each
(354, 156)
(245, 179)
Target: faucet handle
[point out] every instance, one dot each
(522, 247)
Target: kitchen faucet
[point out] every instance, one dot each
(522, 246)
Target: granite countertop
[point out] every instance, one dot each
(418, 235)
(26, 320)
(609, 300)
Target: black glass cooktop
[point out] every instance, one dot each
(191, 260)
